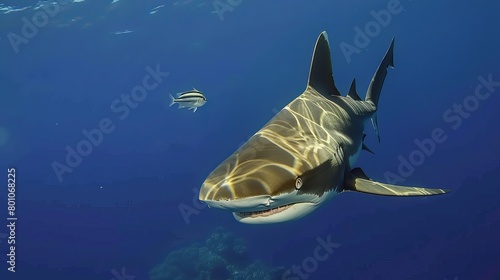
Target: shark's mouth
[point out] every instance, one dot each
(264, 213)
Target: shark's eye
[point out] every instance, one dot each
(298, 183)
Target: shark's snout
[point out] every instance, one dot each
(261, 207)
(238, 195)
(246, 175)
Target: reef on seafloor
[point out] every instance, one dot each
(221, 257)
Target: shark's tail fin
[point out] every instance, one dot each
(377, 82)
(373, 92)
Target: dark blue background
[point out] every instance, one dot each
(119, 207)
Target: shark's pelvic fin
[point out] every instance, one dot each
(364, 147)
(358, 181)
(352, 91)
(321, 73)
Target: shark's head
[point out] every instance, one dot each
(268, 180)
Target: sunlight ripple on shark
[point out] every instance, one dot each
(305, 154)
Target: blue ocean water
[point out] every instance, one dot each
(128, 208)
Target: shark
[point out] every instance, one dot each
(306, 154)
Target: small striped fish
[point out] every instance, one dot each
(191, 99)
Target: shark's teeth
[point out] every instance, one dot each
(264, 213)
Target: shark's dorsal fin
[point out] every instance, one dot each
(321, 74)
(352, 91)
(357, 180)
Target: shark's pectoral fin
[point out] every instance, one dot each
(358, 181)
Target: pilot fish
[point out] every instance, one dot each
(191, 99)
